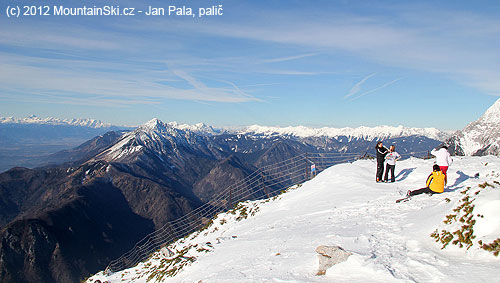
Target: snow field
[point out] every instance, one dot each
(344, 206)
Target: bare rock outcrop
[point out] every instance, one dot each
(329, 256)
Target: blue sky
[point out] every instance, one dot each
(276, 63)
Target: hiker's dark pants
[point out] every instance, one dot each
(422, 191)
(380, 170)
(387, 169)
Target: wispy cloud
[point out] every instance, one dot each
(375, 89)
(289, 58)
(357, 87)
(449, 43)
(234, 94)
(287, 72)
(86, 82)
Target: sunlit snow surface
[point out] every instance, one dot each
(344, 206)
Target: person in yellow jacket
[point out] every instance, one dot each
(434, 185)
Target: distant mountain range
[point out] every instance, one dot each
(27, 142)
(367, 133)
(481, 137)
(33, 119)
(33, 141)
(379, 132)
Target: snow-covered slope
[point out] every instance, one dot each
(54, 121)
(275, 240)
(481, 137)
(370, 133)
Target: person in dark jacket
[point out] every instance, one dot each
(381, 153)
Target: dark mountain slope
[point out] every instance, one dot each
(22, 190)
(86, 150)
(71, 222)
(74, 240)
(226, 173)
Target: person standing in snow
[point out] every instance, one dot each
(443, 158)
(390, 160)
(381, 153)
(434, 185)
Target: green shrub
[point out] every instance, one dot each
(463, 236)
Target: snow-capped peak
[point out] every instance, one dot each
(199, 128)
(155, 135)
(153, 124)
(492, 115)
(481, 137)
(157, 128)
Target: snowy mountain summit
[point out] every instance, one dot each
(492, 115)
(448, 237)
(481, 137)
(199, 128)
(155, 136)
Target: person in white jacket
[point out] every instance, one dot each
(390, 161)
(443, 158)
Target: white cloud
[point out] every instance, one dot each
(448, 43)
(287, 72)
(289, 58)
(357, 87)
(84, 82)
(376, 89)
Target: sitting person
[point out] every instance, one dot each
(434, 185)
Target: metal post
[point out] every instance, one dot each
(264, 185)
(230, 203)
(307, 167)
